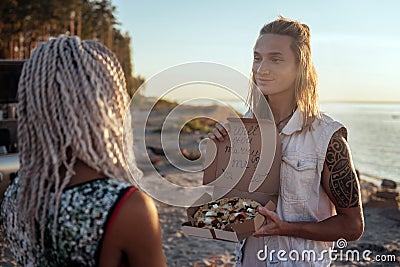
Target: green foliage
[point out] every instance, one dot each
(201, 125)
(24, 23)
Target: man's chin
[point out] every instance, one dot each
(265, 91)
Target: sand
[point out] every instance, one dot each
(382, 217)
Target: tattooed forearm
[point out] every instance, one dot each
(342, 181)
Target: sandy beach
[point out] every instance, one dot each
(382, 216)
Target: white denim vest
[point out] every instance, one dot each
(301, 199)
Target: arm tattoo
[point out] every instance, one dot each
(342, 181)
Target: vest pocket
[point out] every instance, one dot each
(298, 174)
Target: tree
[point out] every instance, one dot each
(24, 23)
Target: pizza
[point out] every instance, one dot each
(221, 213)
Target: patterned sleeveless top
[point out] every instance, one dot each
(84, 212)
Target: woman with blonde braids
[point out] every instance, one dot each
(73, 203)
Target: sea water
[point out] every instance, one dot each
(373, 136)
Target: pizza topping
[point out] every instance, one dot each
(215, 222)
(219, 214)
(209, 220)
(232, 202)
(240, 217)
(210, 213)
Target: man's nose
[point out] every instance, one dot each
(263, 68)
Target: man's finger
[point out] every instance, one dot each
(221, 128)
(264, 211)
(211, 136)
(215, 136)
(218, 135)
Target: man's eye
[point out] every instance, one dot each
(257, 58)
(276, 60)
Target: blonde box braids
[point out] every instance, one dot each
(72, 98)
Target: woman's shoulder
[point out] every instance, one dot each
(136, 219)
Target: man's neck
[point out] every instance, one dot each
(281, 106)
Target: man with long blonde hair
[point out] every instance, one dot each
(319, 199)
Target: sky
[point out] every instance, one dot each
(355, 43)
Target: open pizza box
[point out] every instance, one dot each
(246, 164)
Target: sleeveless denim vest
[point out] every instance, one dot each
(301, 199)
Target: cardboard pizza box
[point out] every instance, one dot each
(246, 164)
(239, 233)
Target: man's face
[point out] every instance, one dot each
(274, 65)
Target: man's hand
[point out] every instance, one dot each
(219, 132)
(272, 224)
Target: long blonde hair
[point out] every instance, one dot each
(306, 93)
(72, 99)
